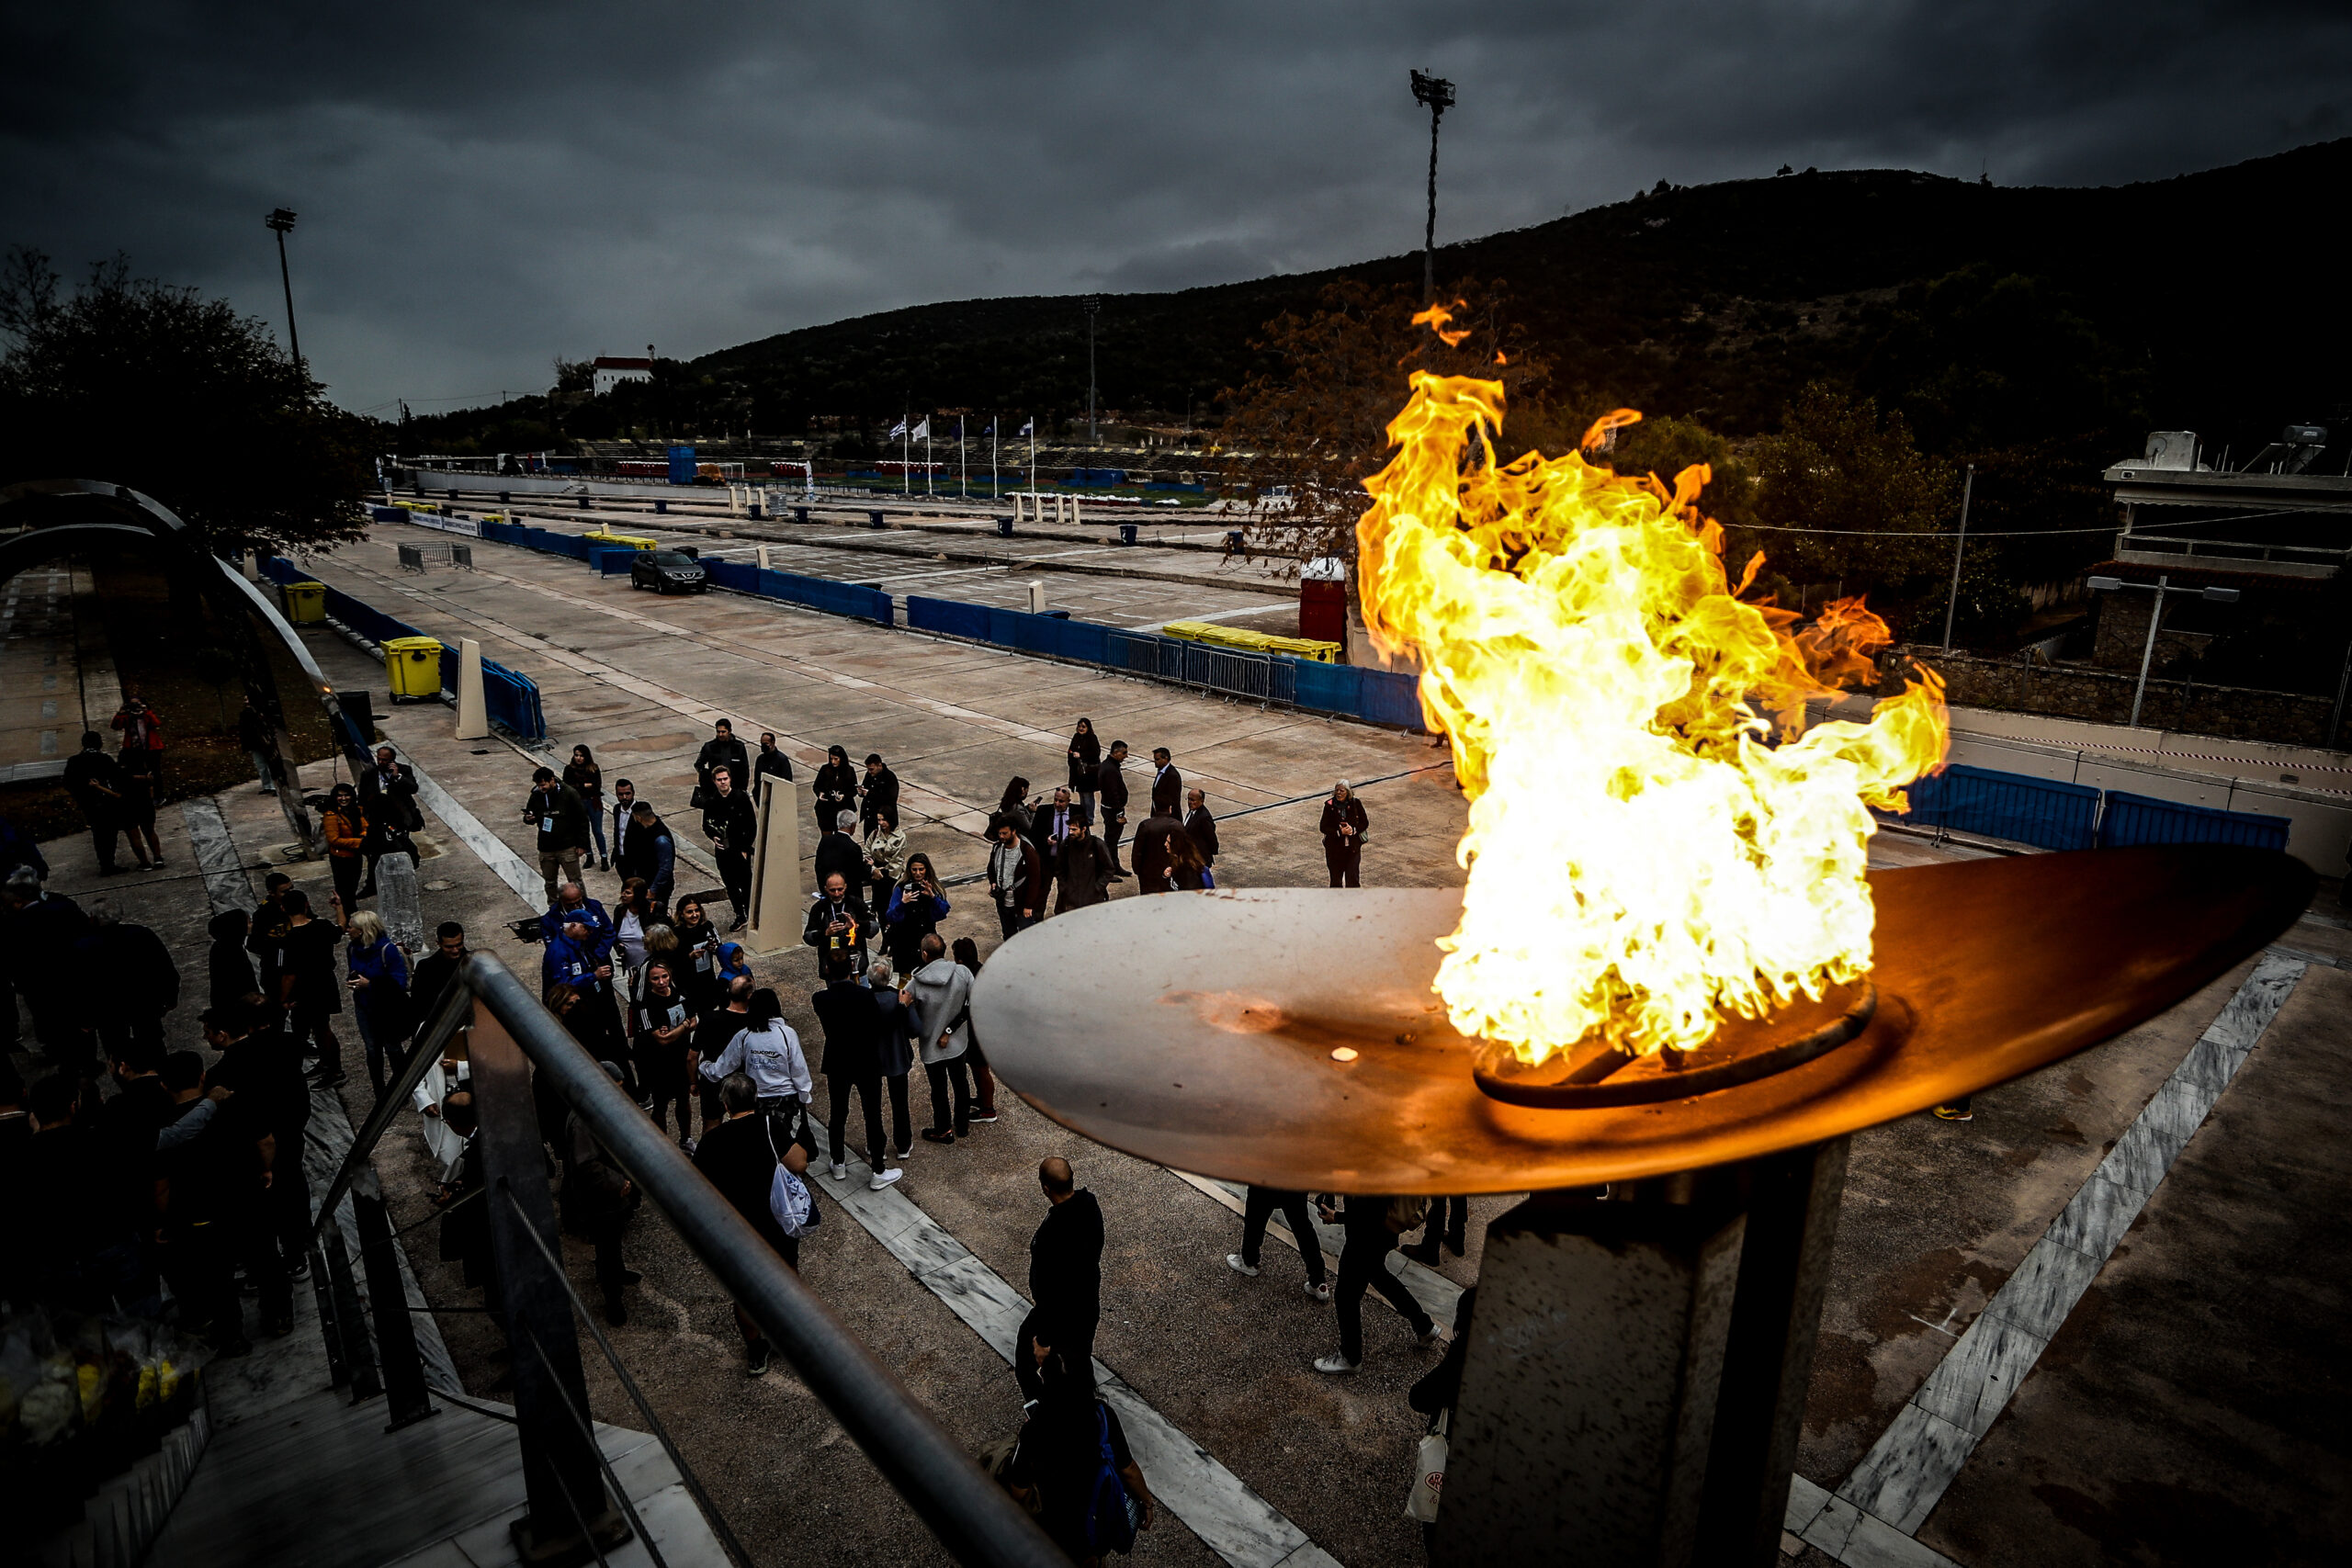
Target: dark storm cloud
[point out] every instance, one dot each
(483, 187)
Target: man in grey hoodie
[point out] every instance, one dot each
(941, 994)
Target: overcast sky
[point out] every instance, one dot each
(483, 187)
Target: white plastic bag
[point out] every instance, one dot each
(1429, 1474)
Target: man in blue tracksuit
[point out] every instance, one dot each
(580, 956)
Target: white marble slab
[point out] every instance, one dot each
(1860, 1540)
(1905, 1473)
(488, 847)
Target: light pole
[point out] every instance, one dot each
(2155, 619)
(281, 220)
(1967, 490)
(1092, 303)
(1437, 93)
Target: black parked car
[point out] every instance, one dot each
(669, 571)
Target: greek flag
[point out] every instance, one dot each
(1030, 428)
(923, 431)
(898, 430)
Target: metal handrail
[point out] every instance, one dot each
(974, 1517)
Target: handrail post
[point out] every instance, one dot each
(395, 1335)
(330, 1330)
(563, 1481)
(351, 1318)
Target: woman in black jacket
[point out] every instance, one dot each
(1085, 765)
(722, 750)
(835, 790)
(1343, 830)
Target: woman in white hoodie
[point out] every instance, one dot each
(766, 1051)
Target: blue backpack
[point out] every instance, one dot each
(1110, 1517)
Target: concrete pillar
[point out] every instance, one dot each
(1037, 598)
(764, 565)
(473, 711)
(1073, 509)
(778, 907)
(1587, 1393)
(249, 562)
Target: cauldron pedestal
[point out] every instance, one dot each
(1637, 1368)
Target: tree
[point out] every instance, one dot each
(151, 385)
(1317, 423)
(1873, 499)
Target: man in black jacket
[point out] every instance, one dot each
(845, 1010)
(1047, 828)
(649, 850)
(839, 925)
(732, 827)
(838, 855)
(435, 971)
(127, 980)
(95, 783)
(1111, 786)
(387, 800)
(561, 817)
(1065, 1270)
(722, 750)
(1363, 1261)
(1201, 827)
(878, 795)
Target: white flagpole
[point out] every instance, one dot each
(993, 422)
(963, 468)
(1033, 456)
(926, 458)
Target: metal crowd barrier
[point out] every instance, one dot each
(573, 1497)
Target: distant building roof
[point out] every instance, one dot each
(602, 363)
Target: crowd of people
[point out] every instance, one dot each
(158, 1168)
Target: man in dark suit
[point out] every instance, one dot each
(1166, 784)
(1047, 828)
(845, 1009)
(1111, 789)
(1201, 827)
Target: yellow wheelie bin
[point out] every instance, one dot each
(306, 602)
(413, 665)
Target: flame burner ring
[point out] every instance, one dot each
(1742, 1051)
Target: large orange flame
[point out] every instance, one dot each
(1643, 858)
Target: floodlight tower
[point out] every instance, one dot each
(1092, 303)
(1437, 93)
(281, 220)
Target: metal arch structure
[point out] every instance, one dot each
(57, 515)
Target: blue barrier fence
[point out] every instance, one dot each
(511, 698)
(2140, 819)
(2045, 813)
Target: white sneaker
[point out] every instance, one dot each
(1319, 1289)
(1233, 1261)
(1336, 1365)
(1439, 1334)
(902, 1155)
(883, 1179)
(840, 1171)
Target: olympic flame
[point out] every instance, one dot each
(1644, 857)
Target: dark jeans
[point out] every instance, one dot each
(838, 1087)
(1361, 1265)
(1448, 1216)
(735, 871)
(958, 1071)
(1343, 864)
(902, 1135)
(1263, 1203)
(789, 1121)
(1068, 1327)
(604, 1234)
(1011, 920)
(1114, 823)
(317, 1024)
(103, 832)
(346, 870)
(662, 1078)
